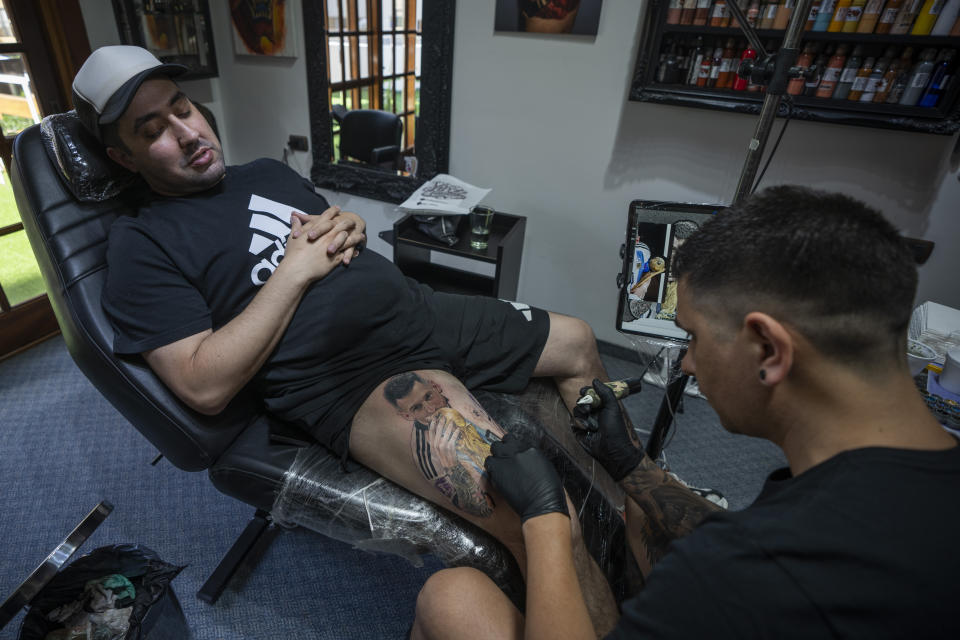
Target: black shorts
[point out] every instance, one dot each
(486, 343)
(490, 344)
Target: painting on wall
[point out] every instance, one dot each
(263, 28)
(577, 17)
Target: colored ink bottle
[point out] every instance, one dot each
(784, 13)
(898, 69)
(889, 16)
(831, 74)
(875, 81)
(702, 13)
(927, 17)
(906, 17)
(839, 16)
(939, 79)
(674, 9)
(919, 78)
(715, 65)
(727, 73)
(696, 59)
(849, 74)
(720, 15)
(812, 16)
(947, 17)
(860, 82)
(819, 65)
(854, 13)
(804, 61)
(769, 15)
(871, 14)
(825, 15)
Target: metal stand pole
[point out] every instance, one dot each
(786, 57)
(783, 70)
(668, 407)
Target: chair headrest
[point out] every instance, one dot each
(81, 160)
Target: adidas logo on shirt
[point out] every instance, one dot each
(271, 227)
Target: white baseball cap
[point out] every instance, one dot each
(108, 80)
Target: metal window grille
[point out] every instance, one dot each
(373, 59)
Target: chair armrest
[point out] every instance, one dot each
(383, 154)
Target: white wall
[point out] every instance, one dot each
(545, 122)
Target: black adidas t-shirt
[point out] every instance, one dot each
(864, 545)
(184, 265)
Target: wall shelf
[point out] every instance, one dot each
(944, 118)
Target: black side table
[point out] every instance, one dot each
(411, 253)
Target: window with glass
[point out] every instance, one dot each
(20, 279)
(373, 59)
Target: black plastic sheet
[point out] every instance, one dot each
(156, 613)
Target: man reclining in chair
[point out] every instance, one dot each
(334, 338)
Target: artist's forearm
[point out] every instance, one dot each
(227, 359)
(659, 510)
(555, 606)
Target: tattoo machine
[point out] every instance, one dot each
(621, 389)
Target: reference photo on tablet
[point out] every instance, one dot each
(648, 290)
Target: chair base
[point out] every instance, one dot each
(239, 555)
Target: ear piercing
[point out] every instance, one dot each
(763, 374)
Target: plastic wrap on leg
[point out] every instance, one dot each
(371, 513)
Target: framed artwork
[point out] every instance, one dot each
(576, 17)
(263, 28)
(173, 30)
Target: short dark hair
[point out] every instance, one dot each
(110, 134)
(399, 386)
(828, 265)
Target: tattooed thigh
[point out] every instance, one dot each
(449, 435)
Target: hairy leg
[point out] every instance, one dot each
(570, 357)
(464, 603)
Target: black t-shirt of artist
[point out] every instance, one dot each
(863, 545)
(185, 265)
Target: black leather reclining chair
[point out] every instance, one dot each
(239, 448)
(370, 136)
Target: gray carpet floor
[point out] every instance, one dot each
(63, 449)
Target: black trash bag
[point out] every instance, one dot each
(156, 612)
(440, 228)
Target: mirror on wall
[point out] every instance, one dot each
(363, 79)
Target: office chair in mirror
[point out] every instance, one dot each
(370, 137)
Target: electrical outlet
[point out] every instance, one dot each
(298, 143)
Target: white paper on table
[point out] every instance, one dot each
(444, 195)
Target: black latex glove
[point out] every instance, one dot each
(525, 478)
(605, 436)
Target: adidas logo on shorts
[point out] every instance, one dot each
(522, 308)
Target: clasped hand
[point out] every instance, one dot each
(318, 243)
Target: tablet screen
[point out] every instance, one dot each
(648, 290)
